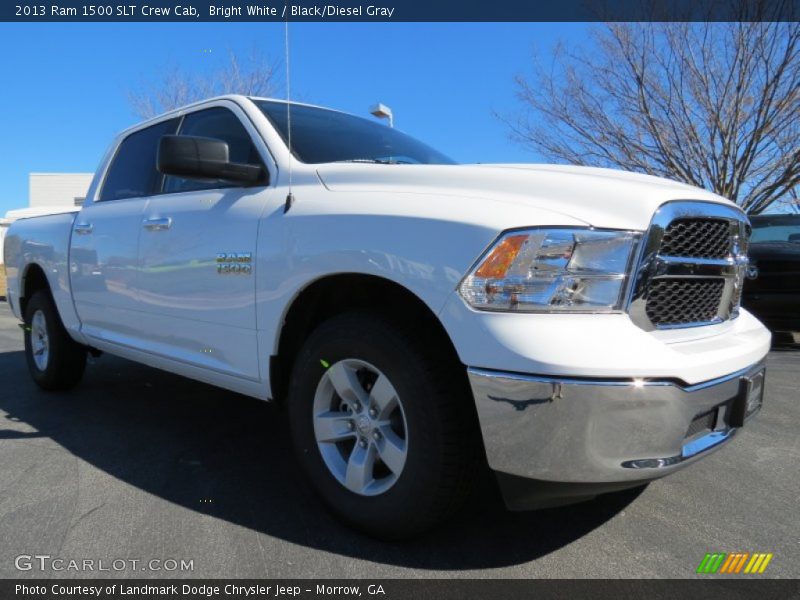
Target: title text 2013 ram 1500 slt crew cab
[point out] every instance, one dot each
(578, 329)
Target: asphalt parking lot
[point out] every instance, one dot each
(137, 464)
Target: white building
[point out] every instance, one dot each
(4, 223)
(49, 193)
(57, 189)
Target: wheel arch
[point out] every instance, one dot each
(32, 280)
(345, 292)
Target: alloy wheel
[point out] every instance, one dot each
(360, 427)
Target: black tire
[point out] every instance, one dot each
(442, 446)
(66, 359)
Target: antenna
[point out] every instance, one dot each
(289, 197)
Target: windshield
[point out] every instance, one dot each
(783, 228)
(320, 136)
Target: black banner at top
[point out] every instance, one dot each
(399, 10)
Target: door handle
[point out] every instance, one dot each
(158, 224)
(83, 228)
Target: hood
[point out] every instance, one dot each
(598, 197)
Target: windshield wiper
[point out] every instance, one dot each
(376, 161)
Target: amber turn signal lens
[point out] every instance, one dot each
(501, 257)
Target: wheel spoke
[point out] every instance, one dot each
(39, 340)
(360, 468)
(383, 397)
(331, 426)
(346, 383)
(392, 450)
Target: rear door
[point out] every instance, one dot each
(105, 237)
(197, 257)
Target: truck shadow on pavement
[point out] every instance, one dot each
(230, 457)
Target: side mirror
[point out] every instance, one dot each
(203, 158)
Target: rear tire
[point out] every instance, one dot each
(366, 395)
(55, 361)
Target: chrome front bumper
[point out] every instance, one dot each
(615, 434)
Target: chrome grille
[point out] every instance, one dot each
(701, 238)
(682, 301)
(692, 266)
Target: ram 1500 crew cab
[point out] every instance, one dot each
(577, 329)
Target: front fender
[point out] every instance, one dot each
(424, 243)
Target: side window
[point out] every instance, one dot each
(222, 124)
(133, 170)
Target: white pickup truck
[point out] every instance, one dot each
(577, 329)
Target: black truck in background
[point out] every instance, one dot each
(772, 288)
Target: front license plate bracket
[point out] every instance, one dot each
(749, 399)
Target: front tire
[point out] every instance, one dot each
(55, 361)
(382, 424)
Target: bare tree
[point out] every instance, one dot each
(174, 87)
(715, 105)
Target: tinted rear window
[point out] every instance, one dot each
(133, 171)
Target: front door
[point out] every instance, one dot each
(197, 259)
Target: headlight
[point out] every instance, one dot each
(546, 270)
